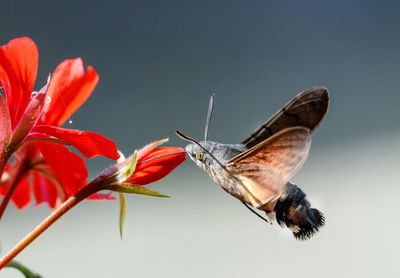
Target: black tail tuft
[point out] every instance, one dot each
(294, 211)
(315, 221)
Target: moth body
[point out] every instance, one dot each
(289, 206)
(259, 169)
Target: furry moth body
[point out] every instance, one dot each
(258, 170)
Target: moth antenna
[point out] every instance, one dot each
(255, 212)
(189, 139)
(209, 115)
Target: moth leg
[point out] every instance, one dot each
(255, 212)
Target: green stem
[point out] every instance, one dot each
(82, 194)
(24, 270)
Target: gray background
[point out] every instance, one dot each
(158, 62)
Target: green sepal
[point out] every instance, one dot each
(122, 212)
(132, 166)
(23, 269)
(135, 189)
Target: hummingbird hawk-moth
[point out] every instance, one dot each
(258, 170)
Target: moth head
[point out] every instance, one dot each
(200, 154)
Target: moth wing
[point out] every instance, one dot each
(307, 109)
(265, 169)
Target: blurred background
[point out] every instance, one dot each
(158, 62)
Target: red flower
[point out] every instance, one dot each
(149, 164)
(33, 120)
(156, 164)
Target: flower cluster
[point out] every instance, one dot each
(35, 155)
(34, 146)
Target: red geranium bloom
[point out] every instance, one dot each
(156, 164)
(151, 164)
(30, 122)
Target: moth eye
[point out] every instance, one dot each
(200, 156)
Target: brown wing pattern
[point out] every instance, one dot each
(265, 169)
(306, 109)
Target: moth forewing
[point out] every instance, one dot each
(306, 109)
(266, 168)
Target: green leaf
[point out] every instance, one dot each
(135, 189)
(132, 166)
(122, 212)
(23, 269)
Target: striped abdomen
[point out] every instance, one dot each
(294, 211)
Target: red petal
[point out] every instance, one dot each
(44, 190)
(68, 168)
(160, 153)
(101, 196)
(157, 164)
(88, 143)
(70, 87)
(18, 68)
(3, 189)
(22, 194)
(5, 125)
